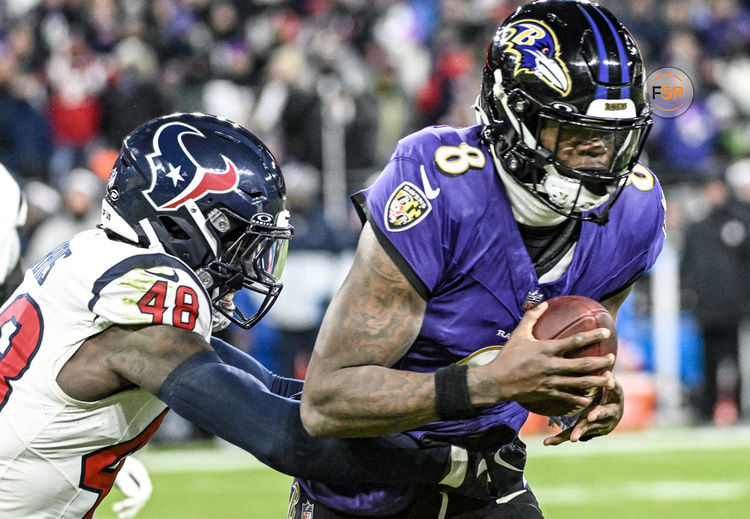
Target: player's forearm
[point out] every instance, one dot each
(370, 400)
(238, 408)
(367, 401)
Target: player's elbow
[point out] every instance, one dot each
(311, 420)
(314, 417)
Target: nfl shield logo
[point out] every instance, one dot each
(532, 299)
(307, 510)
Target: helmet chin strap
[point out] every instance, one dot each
(568, 194)
(527, 209)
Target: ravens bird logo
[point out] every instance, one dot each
(538, 53)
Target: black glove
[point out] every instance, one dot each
(496, 459)
(505, 466)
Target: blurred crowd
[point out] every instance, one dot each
(330, 86)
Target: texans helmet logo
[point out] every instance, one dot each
(177, 175)
(538, 52)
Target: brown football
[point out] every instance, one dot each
(568, 315)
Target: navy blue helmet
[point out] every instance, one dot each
(211, 194)
(566, 68)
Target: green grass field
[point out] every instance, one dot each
(664, 474)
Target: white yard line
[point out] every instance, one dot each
(643, 491)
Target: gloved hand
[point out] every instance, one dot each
(505, 467)
(468, 475)
(134, 482)
(494, 463)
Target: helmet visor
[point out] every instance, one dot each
(271, 257)
(591, 150)
(263, 257)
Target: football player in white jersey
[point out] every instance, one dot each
(12, 216)
(112, 328)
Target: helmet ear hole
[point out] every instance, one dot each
(173, 228)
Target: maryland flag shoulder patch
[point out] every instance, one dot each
(406, 207)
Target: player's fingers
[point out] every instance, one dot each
(586, 432)
(588, 383)
(558, 438)
(578, 340)
(599, 421)
(584, 365)
(126, 508)
(572, 434)
(604, 414)
(578, 401)
(526, 326)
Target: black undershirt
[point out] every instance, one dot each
(547, 245)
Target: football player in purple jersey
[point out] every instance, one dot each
(465, 232)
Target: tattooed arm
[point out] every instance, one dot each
(124, 357)
(374, 319)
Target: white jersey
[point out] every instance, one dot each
(58, 455)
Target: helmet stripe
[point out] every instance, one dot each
(601, 92)
(623, 59)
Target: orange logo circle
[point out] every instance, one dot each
(669, 92)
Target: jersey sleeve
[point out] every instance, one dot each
(409, 218)
(152, 289)
(641, 236)
(652, 217)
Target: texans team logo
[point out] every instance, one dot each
(177, 176)
(538, 53)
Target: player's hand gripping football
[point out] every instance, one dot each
(527, 369)
(600, 418)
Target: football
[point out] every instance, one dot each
(568, 315)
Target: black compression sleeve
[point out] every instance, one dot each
(237, 407)
(239, 359)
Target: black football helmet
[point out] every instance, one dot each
(211, 194)
(565, 71)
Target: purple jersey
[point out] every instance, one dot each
(441, 212)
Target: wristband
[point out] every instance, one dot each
(452, 400)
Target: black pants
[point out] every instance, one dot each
(429, 505)
(721, 343)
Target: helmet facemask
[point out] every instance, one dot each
(572, 163)
(252, 256)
